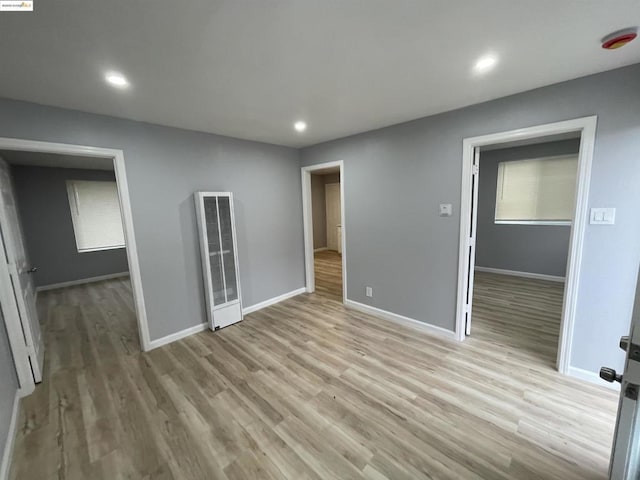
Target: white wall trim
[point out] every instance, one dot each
(204, 326)
(406, 321)
(81, 281)
(591, 377)
(514, 273)
(178, 335)
(273, 301)
(125, 205)
(307, 222)
(7, 455)
(586, 126)
(321, 249)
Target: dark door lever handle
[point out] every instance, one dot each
(32, 270)
(610, 375)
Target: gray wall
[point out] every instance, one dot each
(523, 248)
(48, 229)
(397, 243)
(164, 167)
(8, 383)
(319, 206)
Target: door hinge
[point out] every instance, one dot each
(476, 169)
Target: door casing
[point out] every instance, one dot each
(586, 126)
(12, 322)
(307, 220)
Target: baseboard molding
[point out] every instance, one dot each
(81, 281)
(514, 273)
(200, 328)
(591, 377)
(394, 317)
(273, 301)
(7, 455)
(177, 336)
(321, 249)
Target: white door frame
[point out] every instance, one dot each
(586, 126)
(307, 219)
(13, 324)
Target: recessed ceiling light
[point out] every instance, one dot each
(117, 79)
(300, 126)
(485, 63)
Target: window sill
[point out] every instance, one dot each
(534, 222)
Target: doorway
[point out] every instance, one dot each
(18, 284)
(585, 129)
(324, 228)
(525, 209)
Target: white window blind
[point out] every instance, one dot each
(95, 211)
(536, 190)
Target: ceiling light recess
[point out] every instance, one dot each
(485, 63)
(300, 126)
(117, 79)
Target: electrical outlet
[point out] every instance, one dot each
(368, 291)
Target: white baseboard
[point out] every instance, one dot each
(394, 317)
(81, 281)
(514, 273)
(202, 327)
(591, 377)
(273, 301)
(321, 249)
(7, 455)
(177, 336)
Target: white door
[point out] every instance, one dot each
(332, 198)
(20, 272)
(471, 240)
(625, 456)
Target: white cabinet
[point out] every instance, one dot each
(216, 226)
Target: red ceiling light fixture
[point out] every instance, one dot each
(619, 39)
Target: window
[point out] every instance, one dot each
(537, 190)
(95, 211)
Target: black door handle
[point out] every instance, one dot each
(32, 270)
(610, 375)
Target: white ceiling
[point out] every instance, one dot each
(249, 69)
(36, 159)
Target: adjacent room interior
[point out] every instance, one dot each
(525, 208)
(327, 231)
(305, 241)
(62, 224)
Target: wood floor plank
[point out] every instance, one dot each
(308, 389)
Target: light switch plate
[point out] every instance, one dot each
(446, 210)
(602, 216)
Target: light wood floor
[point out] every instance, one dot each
(328, 273)
(307, 389)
